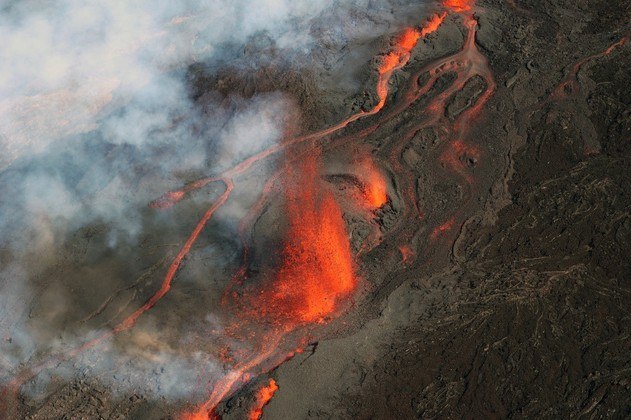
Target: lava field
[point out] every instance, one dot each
(340, 209)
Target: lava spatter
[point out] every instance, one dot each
(375, 186)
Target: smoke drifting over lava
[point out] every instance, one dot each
(97, 119)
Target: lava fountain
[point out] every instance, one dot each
(317, 265)
(315, 276)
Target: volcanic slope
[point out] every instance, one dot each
(529, 316)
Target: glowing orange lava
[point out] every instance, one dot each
(401, 54)
(432, 25)
(375, 189)
(406, 42)
(317, 270)
(317, 265)
(263, 396)
(459, 5)
(407, 254)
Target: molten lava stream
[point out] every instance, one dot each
(459, 5)
(11, 390)
(317, 272)
(400, 56)
(316, 249)
(466, 64)
(237, 376)
(392, 61)
(263, 396)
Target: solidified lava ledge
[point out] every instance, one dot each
(294, 209)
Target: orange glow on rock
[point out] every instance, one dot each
(456, 153)
(445, 227)
(375, 189)
(406, 42)
(570, 84)
(407, 254)
(459, 5)
(263, 396)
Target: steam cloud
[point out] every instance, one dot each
(96, 119)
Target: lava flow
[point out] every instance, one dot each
(459, 5)
(375, 190)
(316, 274)
(400, 56)
(570, 84)
(316, 271)
(263, 396)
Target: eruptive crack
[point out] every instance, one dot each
(144, 276)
